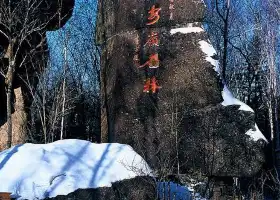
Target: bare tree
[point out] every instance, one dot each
(270, 35)
(66, 100)
(224, 15)
(19, 18)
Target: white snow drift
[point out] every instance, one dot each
(36, 171)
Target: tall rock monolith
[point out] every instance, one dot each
(162, 94)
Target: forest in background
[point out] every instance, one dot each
(245, 35)
(66, 100)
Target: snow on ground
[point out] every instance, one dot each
(188, 29)
(174, 191)
(170, 190)
(35, 171)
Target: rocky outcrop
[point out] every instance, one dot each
(19, 119)
(215, 135)
(138, 188)
(182, 122)
(30, 58)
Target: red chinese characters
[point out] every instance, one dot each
(154, 85)
(153, 15)
(151, 85)
(152, 39)
(153, 62)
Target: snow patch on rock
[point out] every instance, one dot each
(200, 1)
(256, 134)
(230, 100)
(190, 28)
(209, 50)
(37, 171)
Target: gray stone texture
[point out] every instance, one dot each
(138, 188)
(184, 120)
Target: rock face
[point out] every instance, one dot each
(19, 118)
(215, 135)
(182, 119)
(30, 58)
(138, 188)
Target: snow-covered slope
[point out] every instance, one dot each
(33, 171)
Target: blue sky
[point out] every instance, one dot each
(78, 28)
(80, 44)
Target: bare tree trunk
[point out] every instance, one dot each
(276, 122)
(9, 87)
(272, 94)
(44, 120)
(225, 19)
(63, 90)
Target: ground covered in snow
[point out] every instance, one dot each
(171, 190)
(36, 171)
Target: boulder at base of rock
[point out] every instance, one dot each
(138, 188)
(213, 141)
